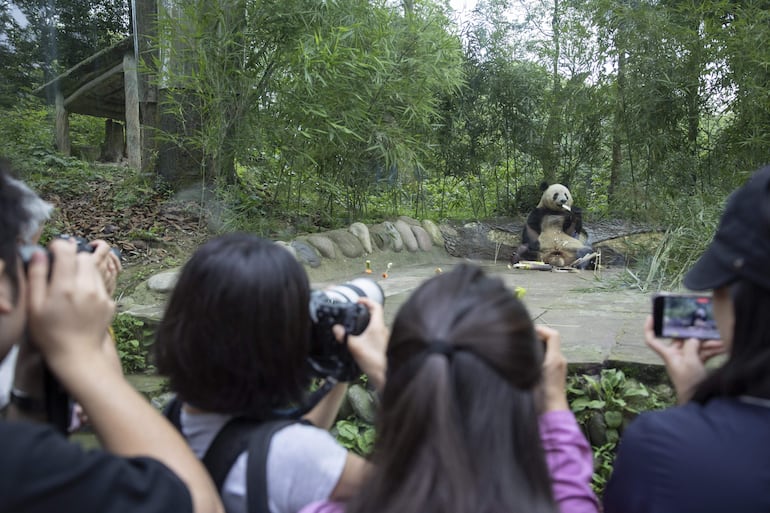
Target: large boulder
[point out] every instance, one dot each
(348, 243)
(423, 239)
(361, 231)
(472, 240)
(410, 242)
(409, 220)
(386, 237)
(434, 232)
(323, 244)
(306, 253)
(287, 247)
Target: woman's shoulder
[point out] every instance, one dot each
(694, 422)
(306, 440)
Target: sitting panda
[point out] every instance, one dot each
(554, 230)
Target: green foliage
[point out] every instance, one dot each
(65, 32)
(603, 406)
(355, 435)
(133, 338)
(315, 98)
(692, 223)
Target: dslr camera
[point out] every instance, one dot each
(27, 251)
(339, 305)
(57, 401)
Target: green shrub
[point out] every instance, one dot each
(355, 435)
(133, 338)
(603, 406)
(691, 227)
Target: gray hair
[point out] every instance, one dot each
(37, 209)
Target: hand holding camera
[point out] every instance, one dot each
(349, 306)
(68, 307)
(368, 349)
(69, 315)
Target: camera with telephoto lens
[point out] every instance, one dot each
(339, 305)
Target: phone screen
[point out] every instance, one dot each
(684, 316)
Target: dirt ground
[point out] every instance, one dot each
(153, 233)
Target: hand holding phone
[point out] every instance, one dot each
(684, 316)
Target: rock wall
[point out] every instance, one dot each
(404, 235)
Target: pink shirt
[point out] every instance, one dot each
(570, 462)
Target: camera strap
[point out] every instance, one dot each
(236, 436)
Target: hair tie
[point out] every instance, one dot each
(440, 347)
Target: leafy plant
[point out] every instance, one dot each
(133, 338)
(355, 435)
(603, 406)
(604, 456)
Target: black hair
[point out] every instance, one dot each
(747, 369)
(12, 219)
(235, 336)
(457, 430)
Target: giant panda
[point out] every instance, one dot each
(554, 231)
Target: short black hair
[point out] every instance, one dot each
(12, 219)
(236, 333)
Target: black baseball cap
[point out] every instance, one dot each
(741, 245)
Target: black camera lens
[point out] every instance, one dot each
(339, 305)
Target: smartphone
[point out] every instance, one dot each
(684, 316)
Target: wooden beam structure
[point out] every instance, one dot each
(108, 84)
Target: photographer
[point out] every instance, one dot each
(474, 415)
(36, 213)
(711, 453)
(146, 466)
(235, 341)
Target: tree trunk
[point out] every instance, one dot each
(616, 130)
(62, 126)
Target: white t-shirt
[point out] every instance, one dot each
(7, 371)
(304, 463)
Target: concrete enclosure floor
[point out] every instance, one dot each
(600, 324)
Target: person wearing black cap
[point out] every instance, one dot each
(712, 452)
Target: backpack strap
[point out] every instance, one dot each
(256, 470)
(173, 412)
(235, 437)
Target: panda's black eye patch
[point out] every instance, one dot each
(555, 195)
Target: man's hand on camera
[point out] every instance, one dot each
(108, 263)
(368, 348)
(68, 316)
(554, 370)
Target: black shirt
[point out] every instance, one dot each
(41, 471)
(712, 458)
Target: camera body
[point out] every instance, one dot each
(684, 316)
(57, 400)
(339, 305)
(83, 246)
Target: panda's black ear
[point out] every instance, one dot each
(543, 185)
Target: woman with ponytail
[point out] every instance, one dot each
(473, 416)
